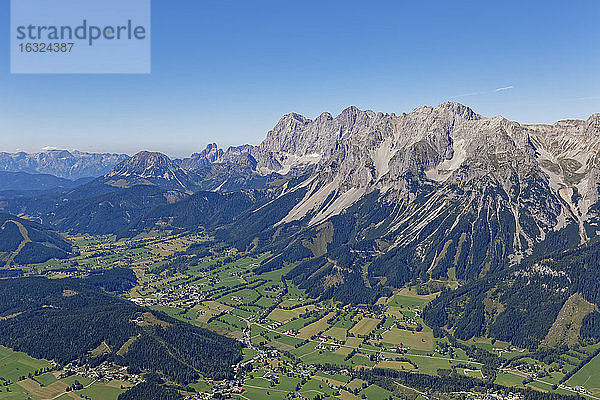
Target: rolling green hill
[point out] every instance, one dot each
(26, 242)
(22, 182)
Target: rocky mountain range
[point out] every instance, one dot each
(544, 177)
(452, 185)
(442, 172)
(211, 154)
(366, 201)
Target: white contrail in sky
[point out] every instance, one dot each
(500, 89)
(464, 95)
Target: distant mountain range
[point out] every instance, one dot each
(436, 165)
(61, 163)
(365, 201)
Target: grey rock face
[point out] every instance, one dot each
(240, 156)
(150, 168)
(206, 157)
(522, 184)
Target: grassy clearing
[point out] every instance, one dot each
(509, 379)
(101, 391)
(280, 346)
(82, 379)
(43, 392)
(409, 302)
(324, 356)
(565, 330)
(201, 386)
(215, 305)
(354, 342)
(344, 351)
(401, 365)
(46, 379)
(14, 364)
(374, 392)
(282, 315)
(588, 376)
(356, 384)
(336, 333)
(474, 373)
(344, 395)
(123, 350)
(240, 297)
(262, 394)
(101, 349)
(203, 313)
(429, 365)
(16, 393)
(395, 312)
(332, 381)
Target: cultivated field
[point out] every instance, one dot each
(413, 340)
(364, 326)
(315, 327)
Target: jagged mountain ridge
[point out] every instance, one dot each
(211, 154)
(438, 192)
(455, 155)
(365, 201)
(452, 188)
(211, 169)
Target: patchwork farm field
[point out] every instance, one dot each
(288, 337)
(316, 327)
(24, 378)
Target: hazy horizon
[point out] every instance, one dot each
(203, 146)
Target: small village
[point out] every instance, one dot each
(106, 371)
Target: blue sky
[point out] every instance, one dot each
(226, 71)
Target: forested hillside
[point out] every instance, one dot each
(72, 320)
(522, 304)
